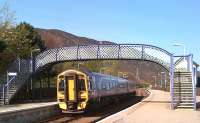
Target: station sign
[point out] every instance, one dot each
(12, 74)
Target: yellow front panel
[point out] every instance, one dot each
(71, 90)
(63, 105)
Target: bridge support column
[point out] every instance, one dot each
(193, 80)
(172, 80)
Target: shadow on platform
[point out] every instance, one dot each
(156, 101)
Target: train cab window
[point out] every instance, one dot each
(61, 85)
(81, 83)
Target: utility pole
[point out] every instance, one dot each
(165, 79)
(32, 51)
(78, 65)
(137, 71)
(159, 82)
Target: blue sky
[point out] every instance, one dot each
(156, 22)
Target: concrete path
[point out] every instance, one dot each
(155, 109)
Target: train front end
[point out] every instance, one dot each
(72, 91)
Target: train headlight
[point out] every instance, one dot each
(83, 95)
(83, 105)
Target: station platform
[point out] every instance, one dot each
(20, 107)
(154, 109)
(30, 112)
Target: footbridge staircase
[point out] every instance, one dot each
(17, 74)
(184, 86)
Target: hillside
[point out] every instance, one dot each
(57, 38)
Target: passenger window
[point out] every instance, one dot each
(108, 85)
(92, 84)
(115, 83)
(103, 85)
(121, 86)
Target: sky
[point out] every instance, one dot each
(155, 22)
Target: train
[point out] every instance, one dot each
(78, 89)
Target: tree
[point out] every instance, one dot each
(16, 40)
(7, 16)
(27, 39)
(2, 46)
(7, 20)
(6, 57)
(20, 39)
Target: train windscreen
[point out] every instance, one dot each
(61, 85)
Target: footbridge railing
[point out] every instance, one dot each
(104, 52)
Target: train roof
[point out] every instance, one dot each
(106, 75)
(89, 73)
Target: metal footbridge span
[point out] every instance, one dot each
(104, 52)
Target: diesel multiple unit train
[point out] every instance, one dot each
(77, 90)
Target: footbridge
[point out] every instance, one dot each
(182, 92)
(104, 52)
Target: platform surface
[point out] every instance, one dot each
(155, 109)
(20, 107)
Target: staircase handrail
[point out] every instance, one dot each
(10, 81)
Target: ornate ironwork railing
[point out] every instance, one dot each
(104, 52)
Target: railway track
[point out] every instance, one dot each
(95, 114)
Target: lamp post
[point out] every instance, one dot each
(32, 51)
(79, 65)
(165, 81)
(159, 82)
(155, 81)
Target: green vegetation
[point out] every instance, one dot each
(142, 85)
(27, 39)
(16, 40)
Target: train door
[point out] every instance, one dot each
(71, 88)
